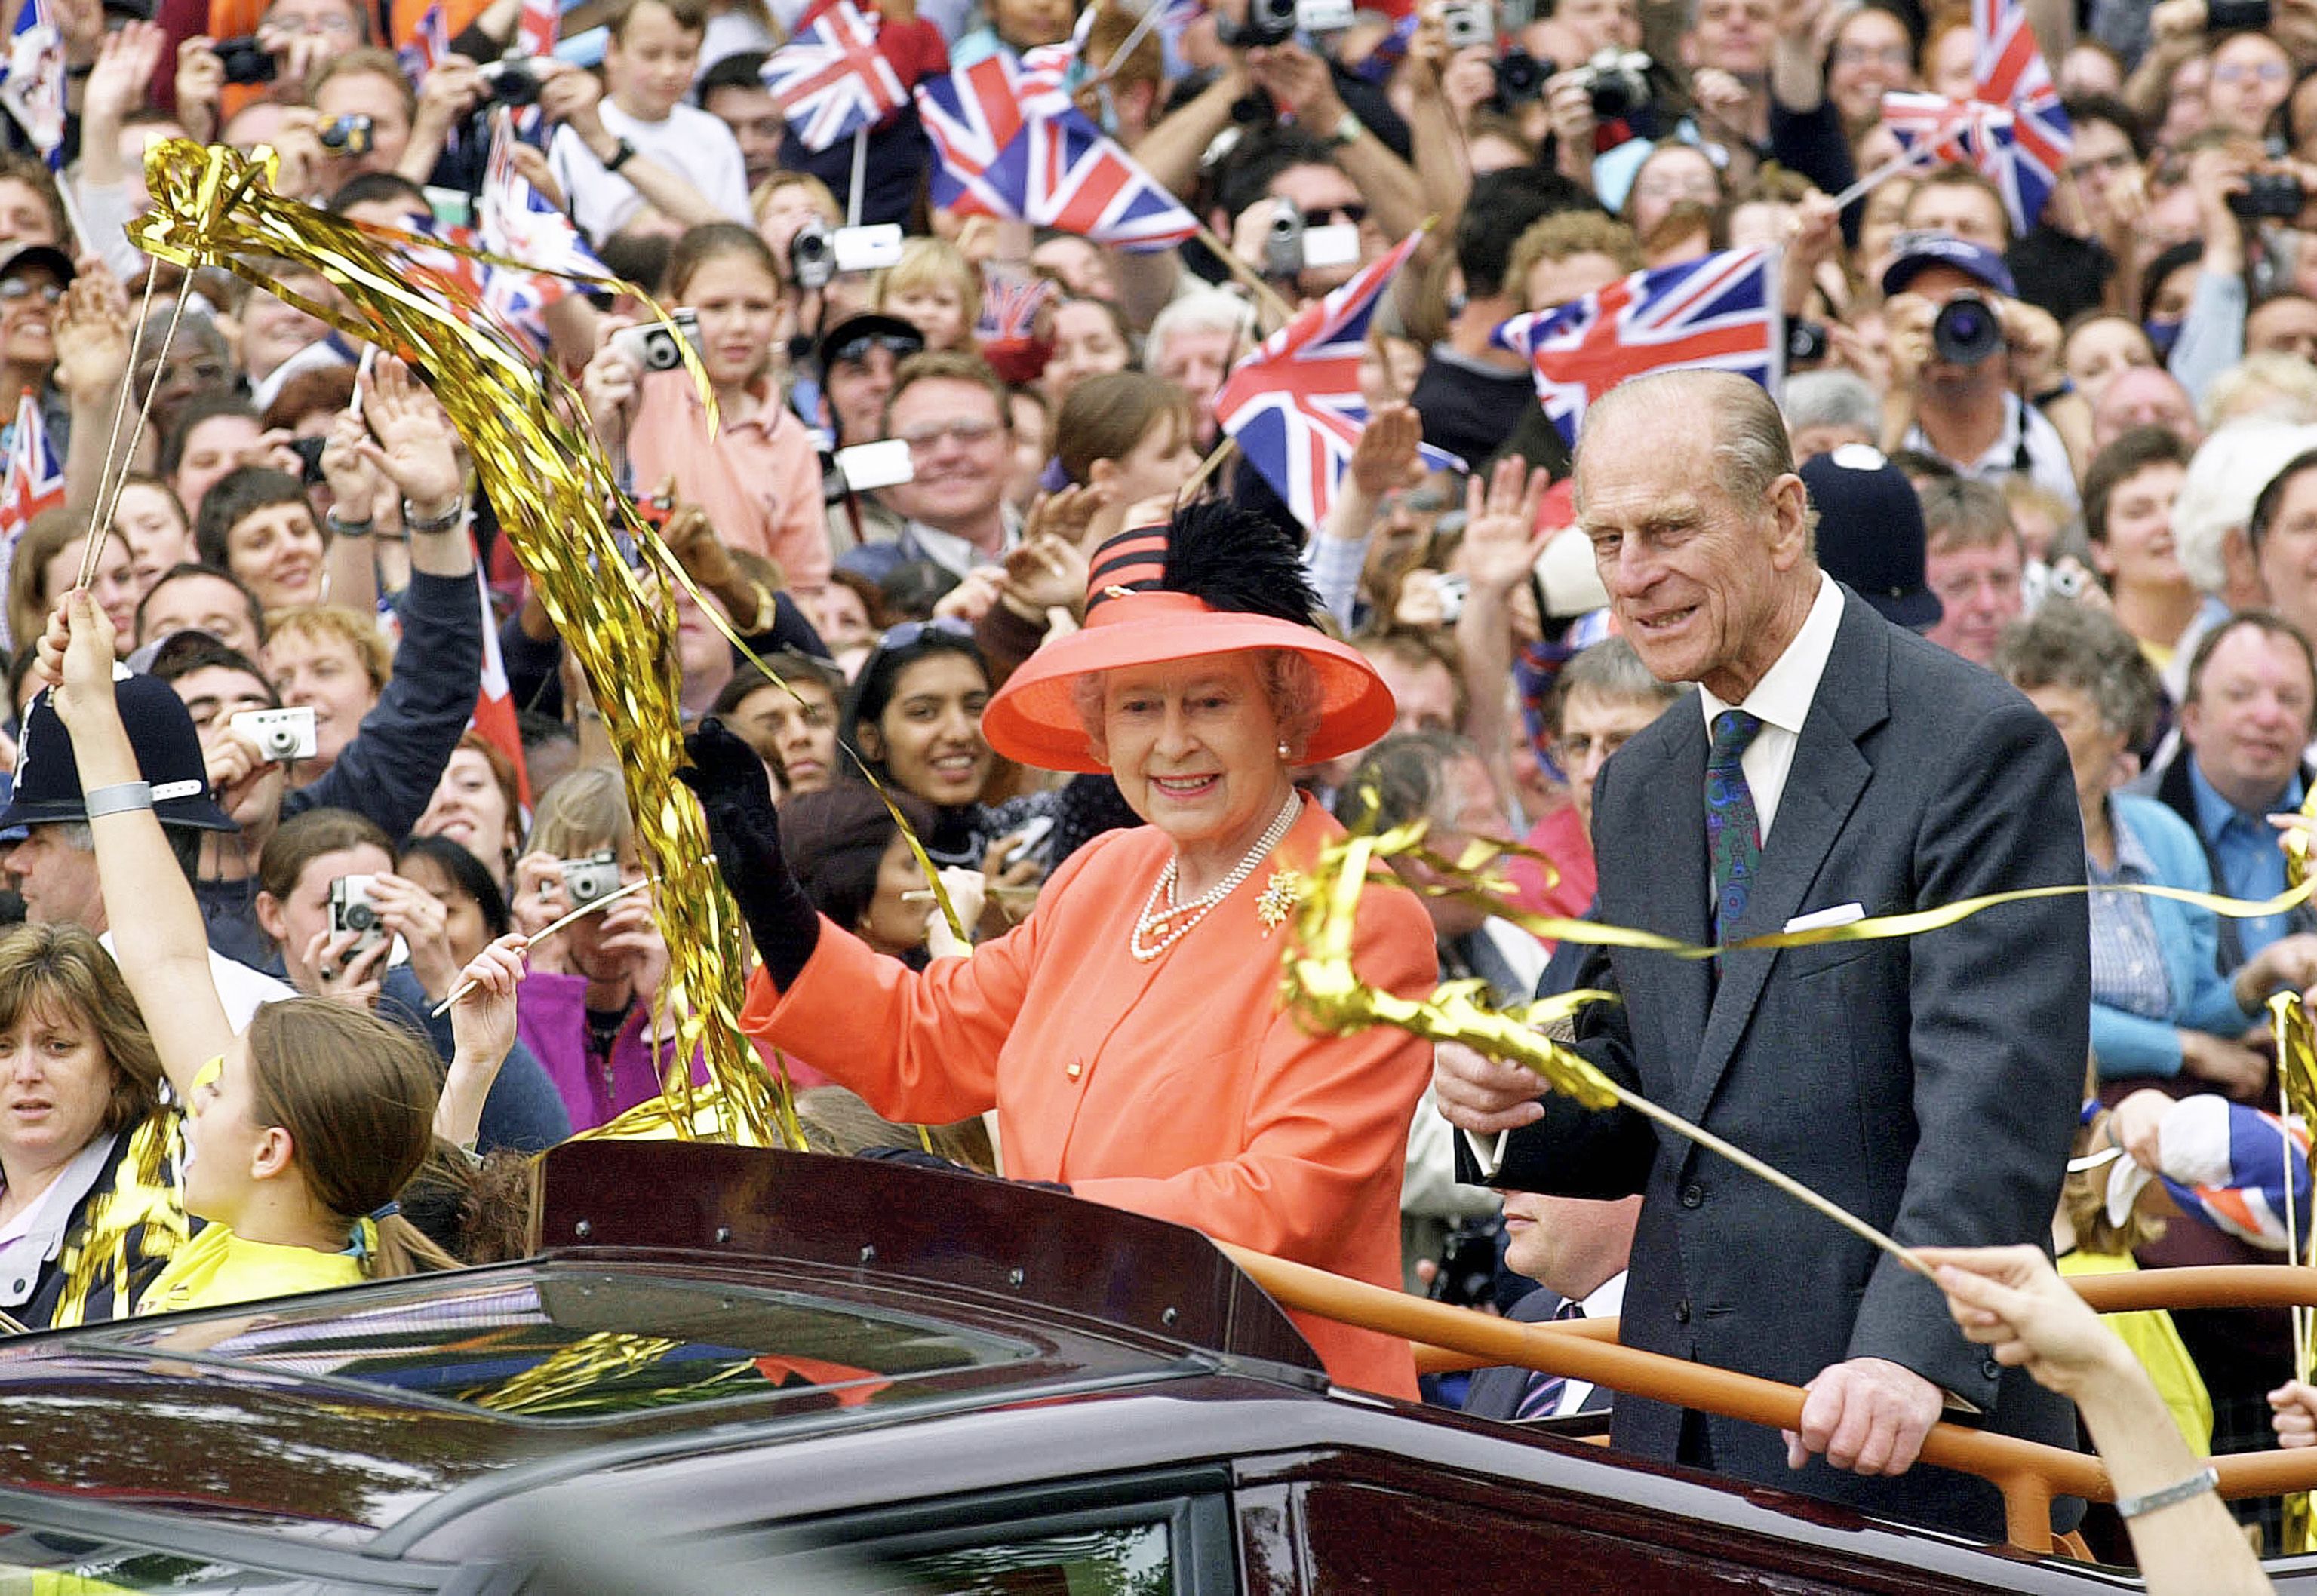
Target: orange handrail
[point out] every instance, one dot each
(2028, 1473)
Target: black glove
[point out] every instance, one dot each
(736, 794)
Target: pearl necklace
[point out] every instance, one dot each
(1152, 918)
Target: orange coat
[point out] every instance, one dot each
(1175, 1089)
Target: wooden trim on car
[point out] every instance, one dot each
(2028, 1473)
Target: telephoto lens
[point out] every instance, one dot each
(1966, 331)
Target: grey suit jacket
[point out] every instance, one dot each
(1929, 1085)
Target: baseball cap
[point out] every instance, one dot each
(1913, 254)
(47, 256)
(850, 339)
(169, 756)
(1870, 532)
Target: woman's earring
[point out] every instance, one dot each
(1283, 748)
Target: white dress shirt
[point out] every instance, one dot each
(1781, 700)
(1606, 1301)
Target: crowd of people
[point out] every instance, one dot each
(2073, 453)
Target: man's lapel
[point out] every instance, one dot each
(1669, 896)
(1821, 790)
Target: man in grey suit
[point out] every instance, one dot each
(1831, 767)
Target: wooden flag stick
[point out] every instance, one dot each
(1265, 296)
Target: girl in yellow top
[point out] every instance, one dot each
(300, 1132)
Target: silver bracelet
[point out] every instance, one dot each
(449, 522)
(120, 798)
(2206, 1478)
(348, 528)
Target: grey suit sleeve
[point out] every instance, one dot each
(1998, 1033)
(1573, 1151)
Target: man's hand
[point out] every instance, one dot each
(1066, 514)
(2234, 1070)
(80, 24)
(357, 487)
(91, 334)
(2011, 1301)
(1907, 324)
(972, 598)
(1869, 1415)
(1042, 573)
(1501, 543)
(575, 100)
(2177, 23)
(75, 658)
(1481, 1095)
(692, 538)
(1470, 80)
(1301, 83)
(200, 83)
(416, 447)
(2295, 1417)
(450, 91)
(1385, 459)
(125, 64)
(2032, 337)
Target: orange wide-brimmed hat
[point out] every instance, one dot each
(1214, 580)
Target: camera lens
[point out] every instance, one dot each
(1616, 94)
(359, 917)
(1966, 331)
(1521, 76)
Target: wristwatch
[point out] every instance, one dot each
(1348, 130)
(622, 153)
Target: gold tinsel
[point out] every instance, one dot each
(523, 427)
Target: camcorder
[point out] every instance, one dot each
(587, 881)
(819, 252)
(2269, 194)
(281, 735)
(1290, 247)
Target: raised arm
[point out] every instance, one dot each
(158, 936)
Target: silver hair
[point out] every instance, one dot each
(1204, 310)
(1751, 447)
(1610, 669)
(1832, 399)
(1290, 681)
(2224, 478)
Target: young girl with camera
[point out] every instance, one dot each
(299, 1133)
(758, 475)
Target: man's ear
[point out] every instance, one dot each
(1790, 511)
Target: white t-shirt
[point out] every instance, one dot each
(690, 142)
(242, 990)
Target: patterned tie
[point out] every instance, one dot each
(1733, 830)
(1541, 1396)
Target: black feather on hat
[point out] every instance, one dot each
(1235, 559)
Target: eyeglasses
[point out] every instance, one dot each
(1571, 753)
(853, 351)
(336, 26)
(1873, 55)
(2245, 72)
(12, 289)
(1354, 214)
(912, 632)
(971, 431)
(1703, 186)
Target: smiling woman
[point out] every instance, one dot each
(1128, 1032)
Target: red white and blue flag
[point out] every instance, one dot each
(1034, 156)
(34, 482)
(1293, 405)
(1010, 306)
(514, 219)
(541, 23)
(429, 44)
(1721, 312)
(33, 80)
(2011, 73)
(830, 79)
(1934, 129)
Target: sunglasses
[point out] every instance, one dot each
(1354, 214)
(853, 351)
(911, 632)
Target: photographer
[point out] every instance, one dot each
(294, 42)
(1955, 329)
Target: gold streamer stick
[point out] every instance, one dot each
(547, 479)
(1321, 986)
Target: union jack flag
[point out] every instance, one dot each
(1040, 160)
(2011, 73)
(429, 44)
(830, 79)
(516, 220)
(34, 482)
(1294, 405)
(1010, 306)
(1933, 128)
(1719, 312)
(541, 23)
(32, 81)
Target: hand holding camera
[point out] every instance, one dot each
(347, 964)
(451, 89)
(277, 736)
(609, 384)
(403, 908)
(200, 83)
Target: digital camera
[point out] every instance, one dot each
(281, 734)
(1616, 81)
(2276, 194)
(1290, 247)
(1466, 23)
(585, 881)
(654, 347)
(352, 910)
(349, 135)
(512, 80)
(244, 60)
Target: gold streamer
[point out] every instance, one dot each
(539, 462)
(1320, 985)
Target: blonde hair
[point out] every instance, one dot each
(1567, 232)
(930, 263)
(815, 190)
(326, 623)
(585, 811)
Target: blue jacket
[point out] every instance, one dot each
(2203, 999)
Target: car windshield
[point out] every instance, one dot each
(588, 1344)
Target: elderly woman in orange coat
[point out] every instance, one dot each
(1128, 1031)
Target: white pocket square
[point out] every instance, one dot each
(1819, 919)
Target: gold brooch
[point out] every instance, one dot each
(1278, 899)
